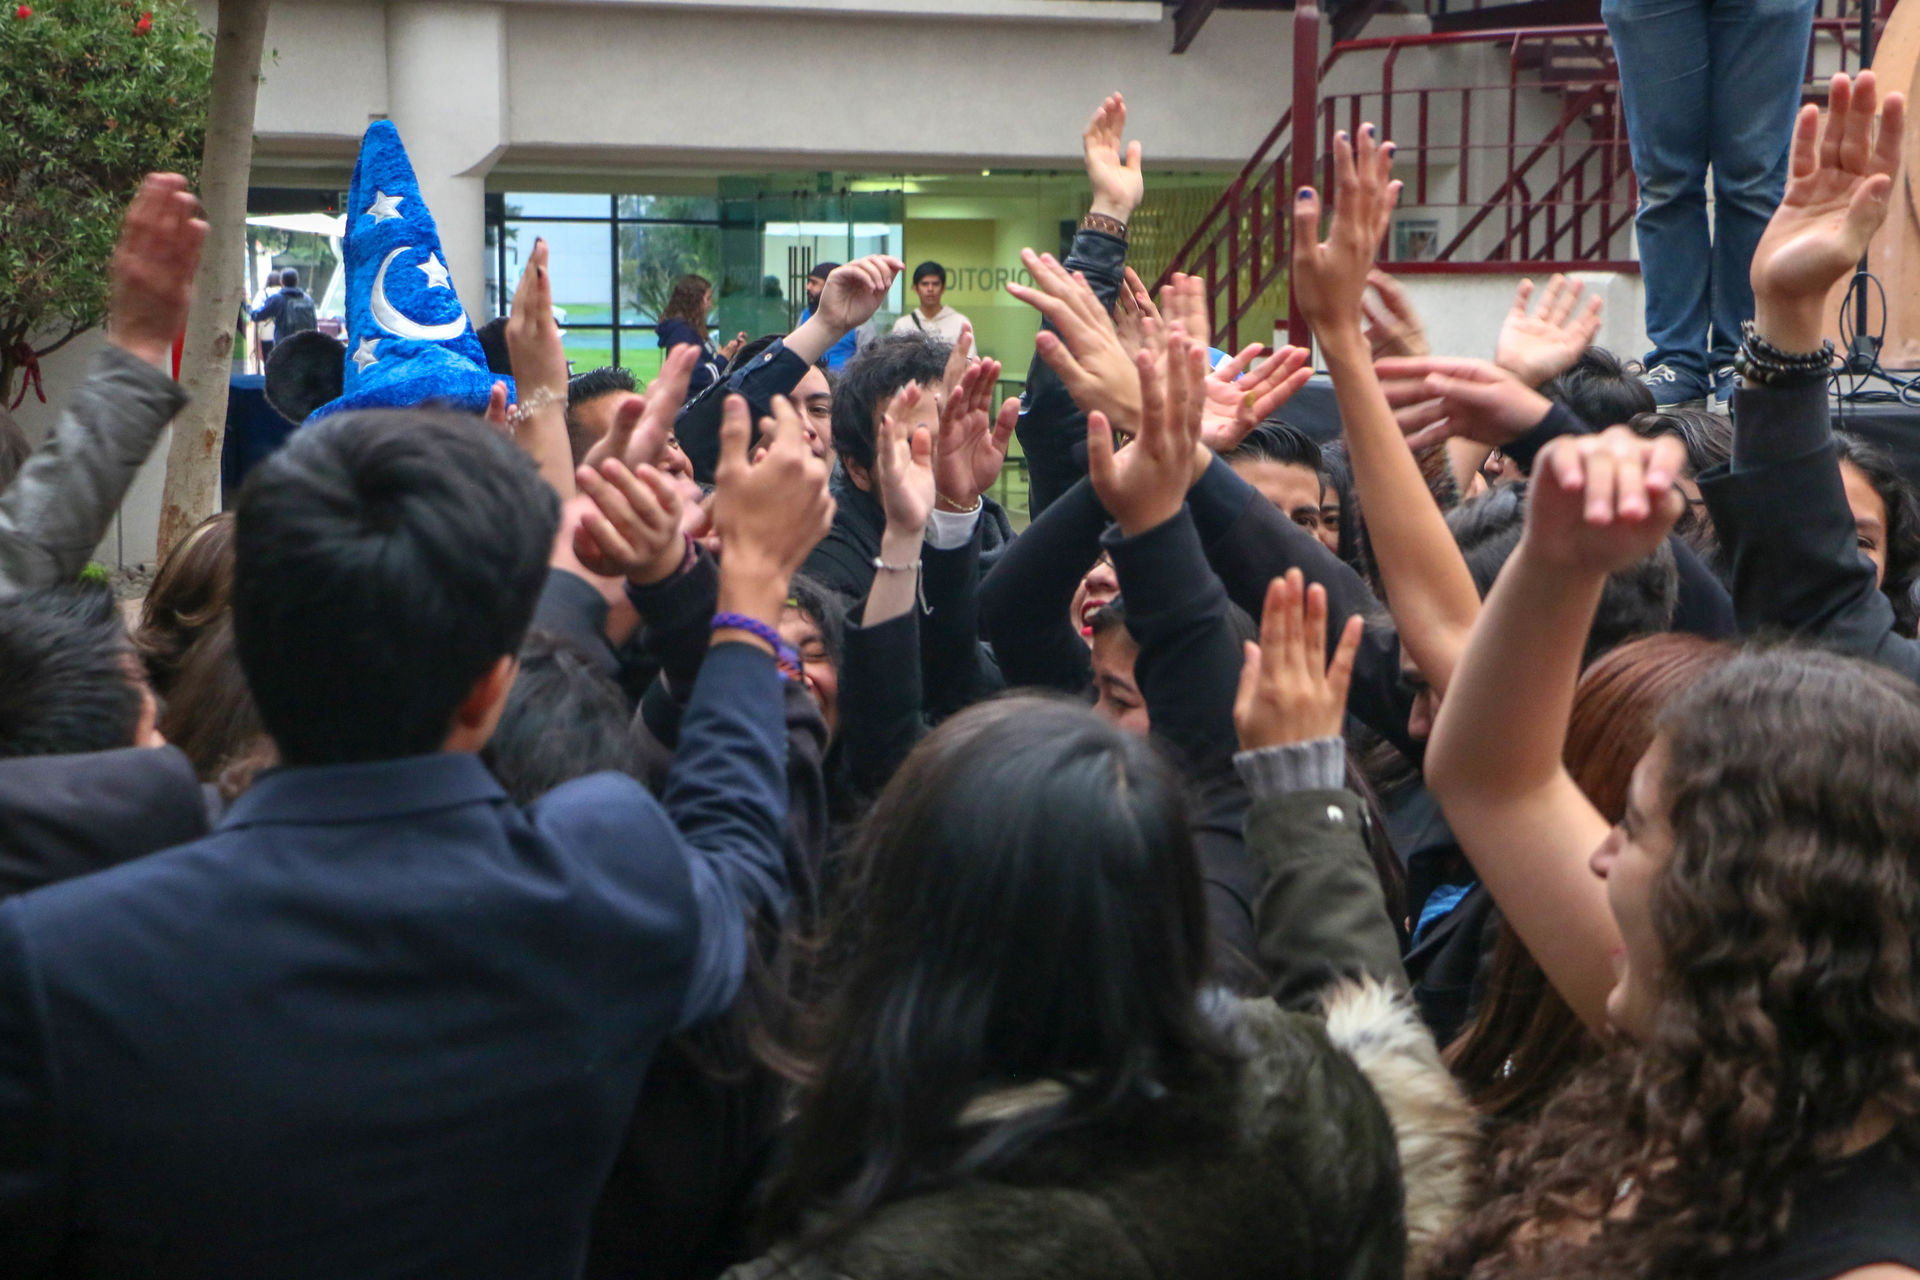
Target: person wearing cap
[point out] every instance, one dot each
(932, 317)
(856, 340)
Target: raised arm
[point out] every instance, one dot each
(1025, 597)
(58, 508)
(539, 421)
(1176, 608)
(727, 789)
(1803, 575)
(1320, 912)
(1596, 505)
(1052, 425)
(1432, 595)
(852, 294)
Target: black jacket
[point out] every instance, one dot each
(66, 816)
(678, 333)
(1188, 669)
(843, 561)
(1781, 511)
(776, 371)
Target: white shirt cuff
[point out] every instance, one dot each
(950, 530)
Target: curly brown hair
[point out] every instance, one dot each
(1789, 913)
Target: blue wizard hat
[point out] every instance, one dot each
(408, 337)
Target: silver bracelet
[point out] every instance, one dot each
(919, 580)
(541, 398)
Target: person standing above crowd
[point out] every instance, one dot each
(1707, 84)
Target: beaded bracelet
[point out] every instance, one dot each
(1763, 364)
(785, 656)
(540, 398)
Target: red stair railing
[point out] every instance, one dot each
(1518, 183)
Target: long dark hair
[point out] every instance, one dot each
(1788, 913)
(1022, 905)
(689, 291)
(1903, 526)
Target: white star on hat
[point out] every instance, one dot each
(435, 271)
(364, 356)
(384, 206)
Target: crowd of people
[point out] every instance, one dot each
(689, 831)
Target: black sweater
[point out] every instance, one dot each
(1781, 511)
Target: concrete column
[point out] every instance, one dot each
(447, 94)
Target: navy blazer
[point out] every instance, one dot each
(381, 1022)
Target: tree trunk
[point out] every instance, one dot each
(193, 460)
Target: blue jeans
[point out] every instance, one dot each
(1706, 82)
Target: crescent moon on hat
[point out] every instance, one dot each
(390, 318)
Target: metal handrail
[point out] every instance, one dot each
(1247, 231)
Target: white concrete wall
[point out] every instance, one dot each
(131, 538)
(860, 91)
(721, 83)
(1463, 313)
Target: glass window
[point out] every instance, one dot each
(580, 261)
(670, 208)
(653, 256)
(534, 204)
(614, 260)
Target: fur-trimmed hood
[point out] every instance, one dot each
(1288, 1164)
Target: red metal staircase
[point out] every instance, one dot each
(1511, 145)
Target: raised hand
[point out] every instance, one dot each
(539, 361)
(856, 290)
(1236, 404)
(1145, 484)
(1184, 303)
(1438, 398)
(959, 359)
(739, 341)
(1539, 345)
(496, 411)
(1838, 182)
(1118, 184)
(1132, 308)
(154, 263)
(903, 467)
(1082, 347)
(642, 423)
(1330, 277)
(1394, 328)
(771, 510)
(534, 343)
(634, 527)
(1600, 503)
(1289, 692)
(972, 445)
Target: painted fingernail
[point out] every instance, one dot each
(1342, 136)
(1367, 129)
(1306, 193)
(1387, 147)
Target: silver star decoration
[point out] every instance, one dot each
(364, 355)
(384, 206)
(435, 271)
